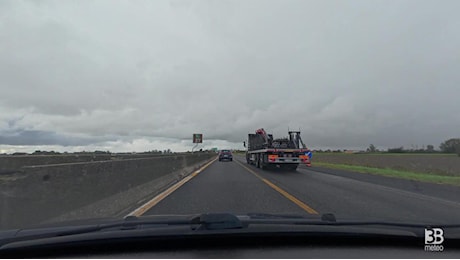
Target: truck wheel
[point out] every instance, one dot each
(258, 161)
(261, 162)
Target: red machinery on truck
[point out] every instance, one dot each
(286, 153)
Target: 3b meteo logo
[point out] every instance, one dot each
(433, 239)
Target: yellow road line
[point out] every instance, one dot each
(281, 191)
(142, 209)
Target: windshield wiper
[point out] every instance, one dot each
(219, 221)
(200, 222)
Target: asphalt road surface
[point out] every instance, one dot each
(236, 187)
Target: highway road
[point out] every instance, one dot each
(239, 188)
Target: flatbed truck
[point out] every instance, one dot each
(285, 153)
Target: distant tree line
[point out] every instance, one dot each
(167, 151)
(449, 146)
(38, 152)
(329, 151)
(428, 149)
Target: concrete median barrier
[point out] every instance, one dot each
(37, 194)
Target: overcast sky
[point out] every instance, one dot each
(143, 75)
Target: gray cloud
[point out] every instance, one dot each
(347, 73)
(36, 137)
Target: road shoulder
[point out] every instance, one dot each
(444, 191)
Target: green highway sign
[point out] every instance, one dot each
(197, 138)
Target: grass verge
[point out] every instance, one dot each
(387, 154)
(425, 177)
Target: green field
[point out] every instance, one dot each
(432, 178)
(434, 168)
(388, 154)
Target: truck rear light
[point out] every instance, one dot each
(303, 157)
(272, 157)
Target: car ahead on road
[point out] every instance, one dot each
(225, 155)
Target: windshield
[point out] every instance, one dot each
(124, 108)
